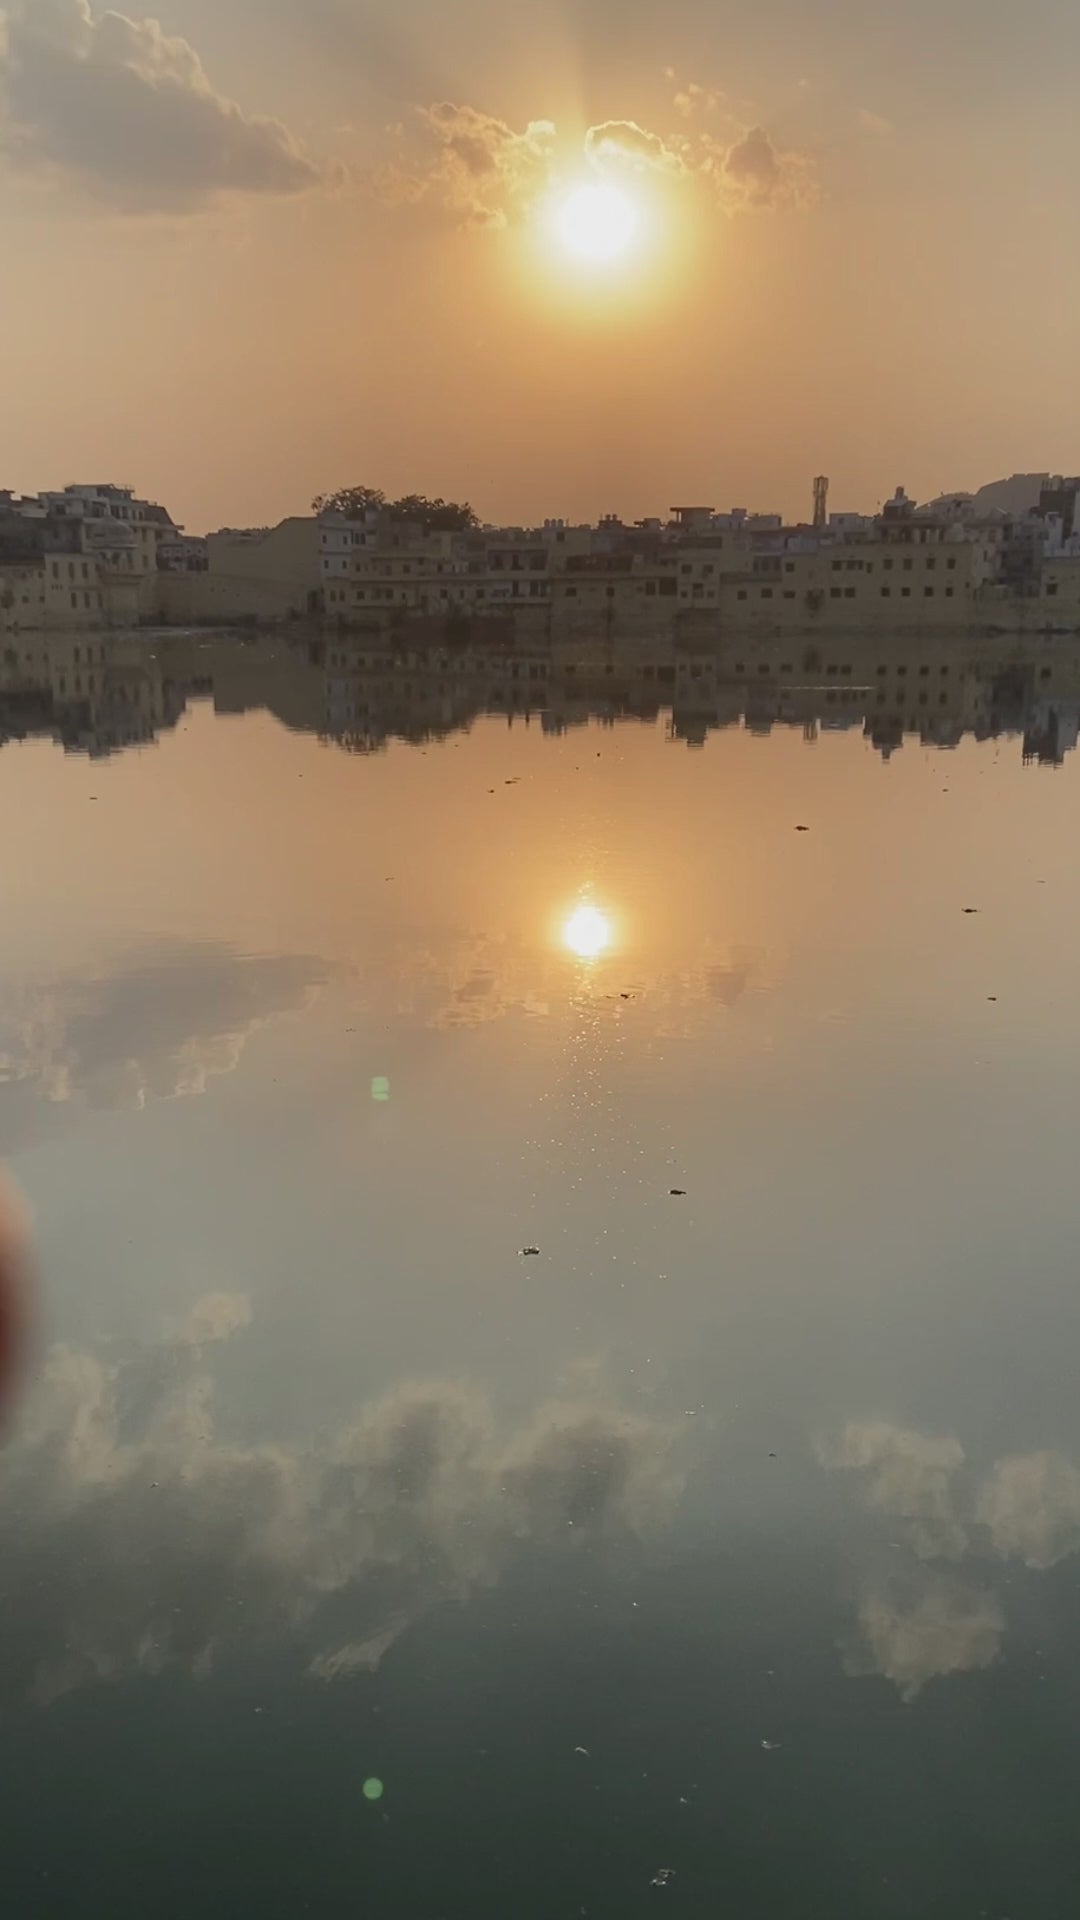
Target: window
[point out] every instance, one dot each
(684, 569)
(905, 593)
(949, 591)
(830, 669)
(789, 566)
(741, 595)
(77, 656)
(74, 599)
(1044, 673)
(787, 667)
(789, 593)
(766, 593)
(764, 667)
(836, 593)
(837, 566)
(887, 564)
(846, 670)
(902, 670)
(923, 672)
(886, 594)
(928, 593)
(86, 599)
(930, 564)
(1051, 588)
(908, 564)
(951, 565)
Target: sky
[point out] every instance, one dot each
(253, 252)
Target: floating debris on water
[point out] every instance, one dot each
(530, 1253)
(663, 1876)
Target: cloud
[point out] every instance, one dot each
(480, 170)
(1031, 1505)
(909, 1476)
(623, 142)
(874, 123)
(692, 98)
(752, 172)
(138, 1537)
(128, 112)
(217, 1316)
(159, 1024)
(919, 1625)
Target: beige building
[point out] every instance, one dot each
(894, 582)
(268, 574)
(22, 598)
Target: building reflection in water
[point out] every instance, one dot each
(101, 694)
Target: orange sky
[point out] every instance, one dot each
(244, 261)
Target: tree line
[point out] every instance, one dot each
(434, 516)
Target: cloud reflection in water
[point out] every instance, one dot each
(137, 1538)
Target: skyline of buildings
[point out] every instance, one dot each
(1007, 558)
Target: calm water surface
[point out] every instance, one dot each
(720, 1557)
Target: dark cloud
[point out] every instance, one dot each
(129, 113)
(155, 1025)
(137, 1537)
(752, 172)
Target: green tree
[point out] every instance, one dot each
(435, 516)
(353, 502)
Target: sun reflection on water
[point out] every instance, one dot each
(587, 933)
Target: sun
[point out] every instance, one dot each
(587, 933)
(596, 223)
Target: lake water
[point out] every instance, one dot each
(719, 1557)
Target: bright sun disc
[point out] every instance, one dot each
(597, 223)
(587, 933)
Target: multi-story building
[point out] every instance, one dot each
(94, 549)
